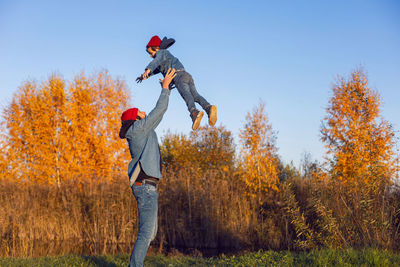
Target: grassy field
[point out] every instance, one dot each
(326, 257)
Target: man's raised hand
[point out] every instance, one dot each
(171, 73)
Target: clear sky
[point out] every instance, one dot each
(286, 53)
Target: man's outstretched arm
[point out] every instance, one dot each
(151, 121)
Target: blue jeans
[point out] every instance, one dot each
(185, 85)
(147, 202)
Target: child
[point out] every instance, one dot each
(162, 61)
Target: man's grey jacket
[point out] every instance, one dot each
(143, 142)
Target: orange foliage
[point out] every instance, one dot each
(3, 156)
(57, 131)
(208, 148)
(360, 141)
(259, 152)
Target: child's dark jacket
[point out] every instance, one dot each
(164, 59)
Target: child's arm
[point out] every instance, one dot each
(146, 74)
(154, 64)
(141, 78)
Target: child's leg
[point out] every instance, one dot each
(210, 109)
(183, 88)
(197, 97)
(183, 85)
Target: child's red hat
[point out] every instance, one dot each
(129, 114)
(154, 41)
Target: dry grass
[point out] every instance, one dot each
(200, 213)
(47, 220)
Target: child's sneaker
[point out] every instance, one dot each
(196, 118)
(212, 114)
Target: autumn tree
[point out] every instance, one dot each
(357, 137)
(208, 148)
(215, 148)
(201, 182)
(360, 144)
(57, 130)
(96, 104)
(34, 121)
(259, 153)
(177, 151)
(3, 153)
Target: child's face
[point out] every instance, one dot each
(151, 52)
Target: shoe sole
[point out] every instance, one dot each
(213, 116)
(197, 121)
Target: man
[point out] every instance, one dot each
(144, 170)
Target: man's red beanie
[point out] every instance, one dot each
(129, 114)
(154, 41)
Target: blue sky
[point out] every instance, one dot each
(286, 53)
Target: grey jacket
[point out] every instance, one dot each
(163, 61)
(143, 142)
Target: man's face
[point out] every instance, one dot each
(141, 114)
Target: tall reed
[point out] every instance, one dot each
(200, 212)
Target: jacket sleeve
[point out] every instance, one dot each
(154, 72)
(156, 62)
(151, 121)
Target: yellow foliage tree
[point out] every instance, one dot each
(259, 153)
(208, 148)
(176, 151)
(215, 148)
(56, 132)
(3, 153)
(96, 104)
(359, 140)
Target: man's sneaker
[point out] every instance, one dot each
(196, 118)
(212, 114)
